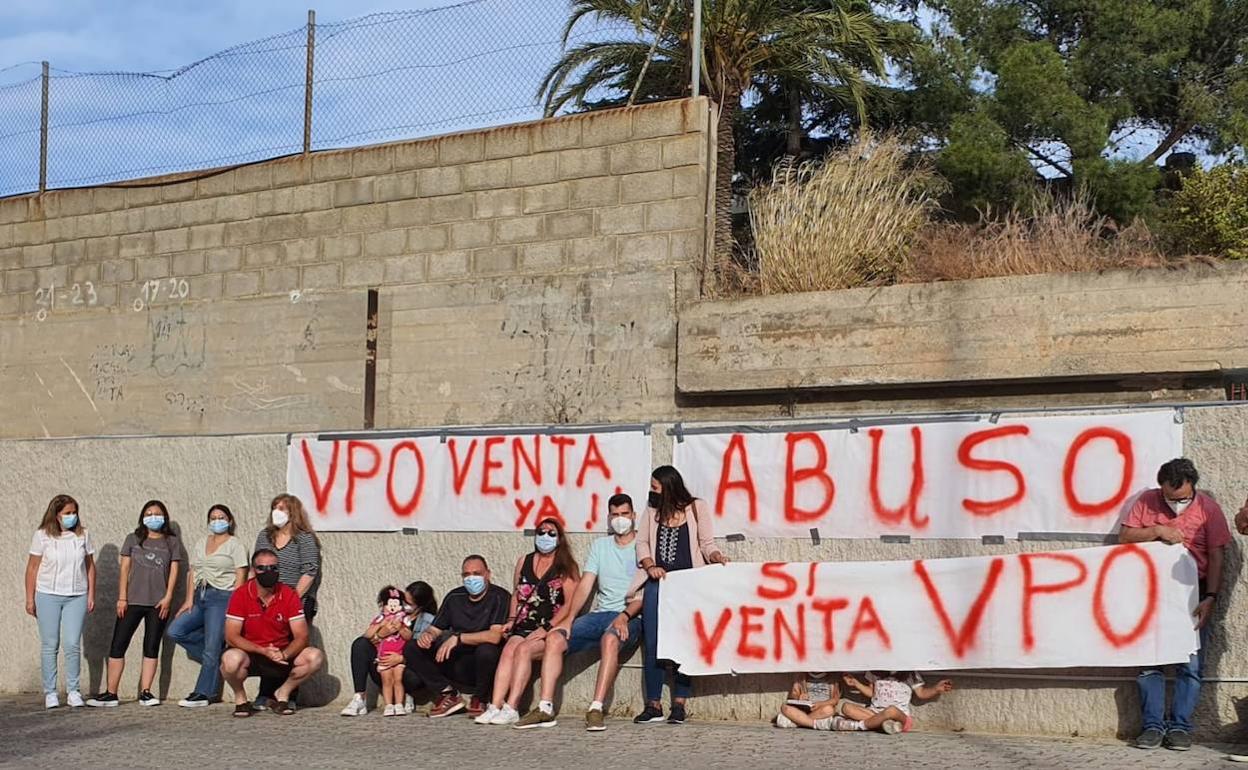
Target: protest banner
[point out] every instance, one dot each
(467, 481)
(1122, 605)
(1027, 473)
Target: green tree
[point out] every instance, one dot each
(827, 47)
(1078, 87)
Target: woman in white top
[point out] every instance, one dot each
(218, 566)
(60, 591)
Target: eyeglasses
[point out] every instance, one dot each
(1182, 500)
(265, 568)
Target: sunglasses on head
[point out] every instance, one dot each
(265, 568)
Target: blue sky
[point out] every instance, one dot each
(141, 35)
(385, 70)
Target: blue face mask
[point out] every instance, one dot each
(154, 523)
(475, 584)
(546, 543)
(219, 526)
(69, 521)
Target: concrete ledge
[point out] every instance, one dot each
(1113, 325)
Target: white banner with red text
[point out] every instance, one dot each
(1026, 473)
(1123, 605)
(470, 481)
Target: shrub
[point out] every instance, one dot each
(1209, 213)
(849, 220)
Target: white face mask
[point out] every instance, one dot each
(280, 517)
(1178, 507)
(621, 525)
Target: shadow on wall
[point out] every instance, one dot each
(323, 688)
(97, 632)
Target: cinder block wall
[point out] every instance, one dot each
(524, 271)
(527, 274)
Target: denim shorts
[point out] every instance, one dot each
(588, 629)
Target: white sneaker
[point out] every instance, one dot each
(51, 701)
(390, 711)
(356, 708)
(785, 722)
(409, 704)
(74, 699)
(506, 716)
(891, 726)
(485, 718)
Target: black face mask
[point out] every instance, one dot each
(654, 500)
(267, 579)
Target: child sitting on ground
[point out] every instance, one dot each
(890, 693)
(390, 629)
(812, 704)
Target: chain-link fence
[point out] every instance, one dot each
(376, 78)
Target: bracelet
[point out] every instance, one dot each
(1209, 595)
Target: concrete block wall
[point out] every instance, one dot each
(237, 301)
(527, 274)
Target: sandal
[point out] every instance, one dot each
(244, 710)
(283, 708)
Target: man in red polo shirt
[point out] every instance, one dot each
(268, 636)
(1177, 513)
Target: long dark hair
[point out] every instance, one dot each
(675, 496)
(229, 515)
(423, 597)
(565, 565)
(51, 523)
(140, 532)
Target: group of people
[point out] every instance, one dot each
(249, 615)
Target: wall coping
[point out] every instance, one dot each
(1054, 327)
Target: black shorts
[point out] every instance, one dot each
(266, 668)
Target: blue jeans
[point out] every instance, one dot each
(654, 671)
(1152, 684)
(60, 618)
(587, 631)
(201, 632)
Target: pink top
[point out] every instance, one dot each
(394, 642)
(1202, 523)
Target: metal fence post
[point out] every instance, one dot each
(307, 88)
(695, 87)
(43, 135)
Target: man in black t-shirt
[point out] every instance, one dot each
(463, 644)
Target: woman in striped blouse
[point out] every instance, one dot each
(289, 534)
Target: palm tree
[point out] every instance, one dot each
(831, 48)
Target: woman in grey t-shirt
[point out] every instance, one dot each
(150, 561)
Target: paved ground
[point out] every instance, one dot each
(168, 736)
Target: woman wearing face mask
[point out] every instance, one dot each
(218, 565)
(60, 591)
(150, 558)
(544, 579)
(421, 605)
(289, 534)
(677, 534)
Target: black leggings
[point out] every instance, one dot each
(123, 632)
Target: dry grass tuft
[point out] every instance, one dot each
(1060, 235)
(850, 220)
